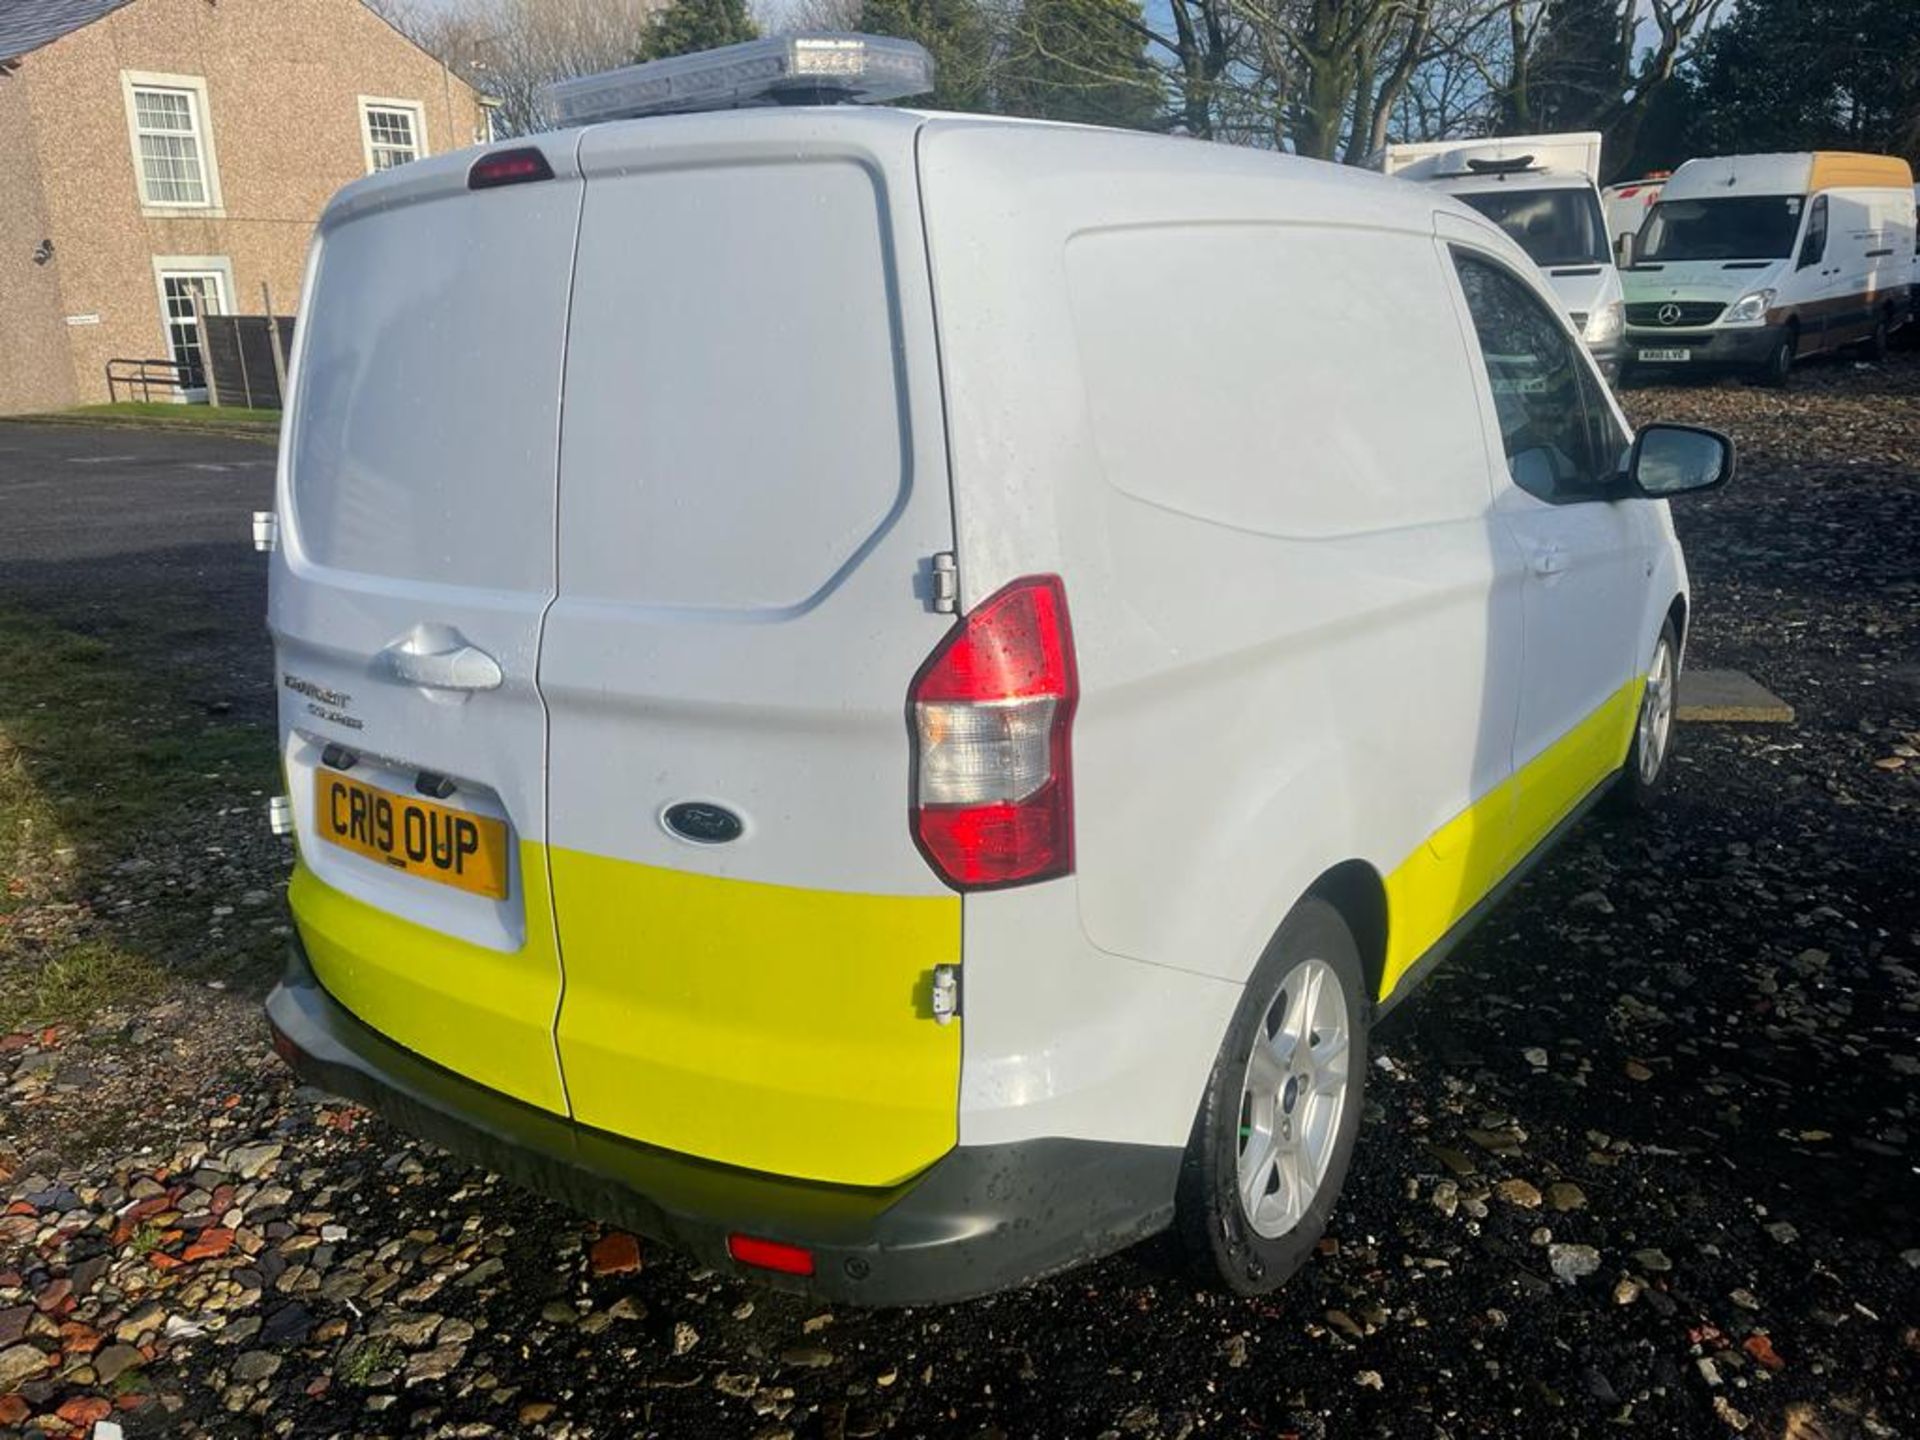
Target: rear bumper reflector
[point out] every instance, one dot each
(770, 1255)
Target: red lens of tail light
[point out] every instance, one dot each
(992, 714)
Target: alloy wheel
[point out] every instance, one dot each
(1656, 713)
(1292, 1098)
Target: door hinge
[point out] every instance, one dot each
(266, 530)
(946, 993)
(946, 583)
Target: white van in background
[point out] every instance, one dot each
(1913, 296)
(829, 724)
(1627, 204)
(1543, 190)
(1751, 262)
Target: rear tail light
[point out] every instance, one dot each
(770, 1255)
(509, 167)
(992, 713)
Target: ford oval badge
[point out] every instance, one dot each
(703, 822)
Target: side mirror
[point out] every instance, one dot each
(1669, 460)
(1623, 250)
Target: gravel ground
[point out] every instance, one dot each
(1641, 1160)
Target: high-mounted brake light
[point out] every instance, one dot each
(825, 68)
(992, 713)
(770, 1254)
(509, 167)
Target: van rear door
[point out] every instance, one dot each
(417, 499)
(752, 486)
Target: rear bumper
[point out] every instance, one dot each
(1744, 348)
(980, 1219)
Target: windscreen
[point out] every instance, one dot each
(1735, 227)
(1554, 227)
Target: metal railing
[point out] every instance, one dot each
(142, 377)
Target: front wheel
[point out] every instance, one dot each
(1778, 365)
(1644, 780)
(1276, 1128)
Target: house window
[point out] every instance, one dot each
(167, 130)
(190, 287)
(395, 132)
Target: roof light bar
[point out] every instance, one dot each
(811, 69)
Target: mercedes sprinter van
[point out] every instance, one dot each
(830, 721)
(1751, 262)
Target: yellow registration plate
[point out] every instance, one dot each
(452, 847)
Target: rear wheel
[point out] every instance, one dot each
(1779, 362)
(1877, 342)
(1644, 779)
(1276, 1128)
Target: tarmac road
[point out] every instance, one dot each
(98, 524)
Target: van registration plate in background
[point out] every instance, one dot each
(451, 847)
(1665, 355)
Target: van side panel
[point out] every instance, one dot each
(1244, 431)
(1335, 489)
(753, 483)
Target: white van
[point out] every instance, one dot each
(847, 707)
(1913, 295)
(1626, 205)
(1751, 262)
(1543, 191)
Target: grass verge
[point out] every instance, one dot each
(107, 765)
(158, 415)
(176, 414)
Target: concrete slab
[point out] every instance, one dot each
(1729, 697)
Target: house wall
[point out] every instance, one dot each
(32, 327)
(283, 80)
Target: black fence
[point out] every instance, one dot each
(245, 358)
(141, 379)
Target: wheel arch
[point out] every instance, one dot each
(1356, 890)
(1677, 614)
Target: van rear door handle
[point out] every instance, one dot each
(440, 661)
(1550, 560)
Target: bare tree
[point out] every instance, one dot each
(510, 48)
(1609, 89)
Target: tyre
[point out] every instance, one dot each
(1649, 758)
(1276, 1128)
(1779, 362)
(1876, 344)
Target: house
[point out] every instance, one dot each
(158, 154)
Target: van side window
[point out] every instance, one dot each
(1609, 442)
(1561, 439)
(1814, 248)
